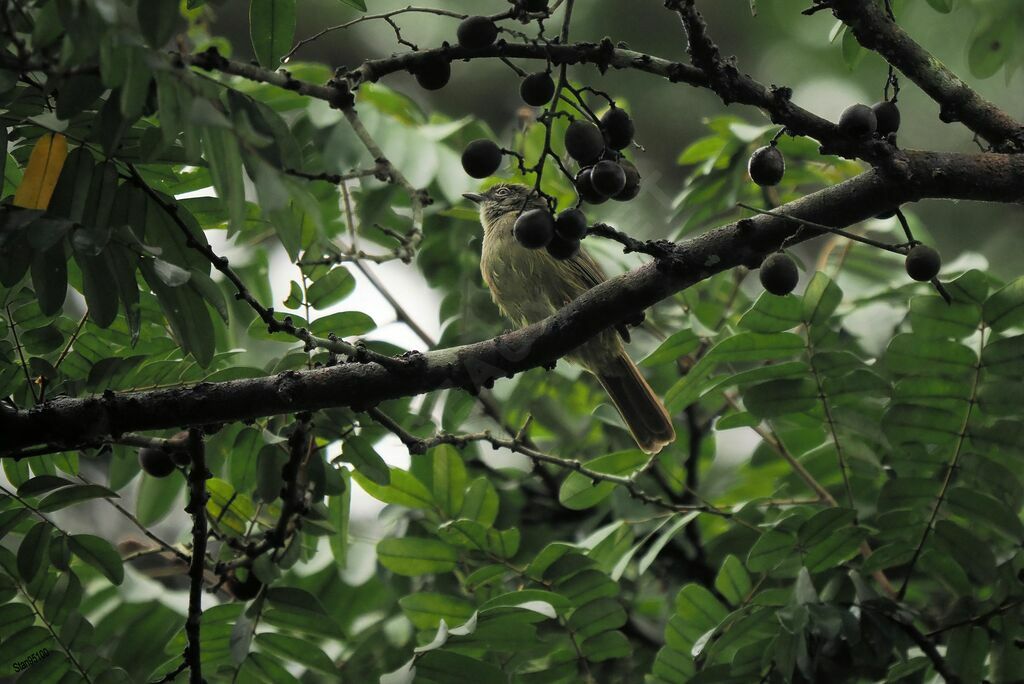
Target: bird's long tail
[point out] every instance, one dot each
(639, 406)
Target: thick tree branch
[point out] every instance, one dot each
(957, 100)
(913, 176)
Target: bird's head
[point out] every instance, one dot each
(504, 199)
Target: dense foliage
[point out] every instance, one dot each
(842, 502)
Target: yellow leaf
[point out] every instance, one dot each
(44, 165)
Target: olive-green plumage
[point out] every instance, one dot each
(528, 285)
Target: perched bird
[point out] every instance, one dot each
(528, 285)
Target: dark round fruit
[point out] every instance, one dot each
(778, 274)
(632, 187)
(608, 178)
(767, 166)
(481, 158)
(433, 72)
(534, 5)
(563, 249)
(477, 32)
(245, 590)
(888, 214)
(923, 263)
(618, 128)
(584, 142)
(887, 118)
(156, 462)
(585, 188)
(534, 228)
(858, 121)
(537, 89)
(571, 224)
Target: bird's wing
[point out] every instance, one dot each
(587, 271)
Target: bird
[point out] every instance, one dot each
(528, 285)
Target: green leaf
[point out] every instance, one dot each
(69, 496)
(449, 479)
(453, 668)
(677, 345)
(360, 453)
(404, 489)
(331, 288)
(361, 4)
(300, 651)
(426, 609)
(411, 556)
(990, 47)
(700, 611)
(820, 299)
(600, 615)
(749, 346)
(1005, 307)
(42, 484)
(260, 667)
(480, 502)
(579, 492)
(157, 496)
(906, 423)
(771, 313)
(1004, 356)
(340, 509)
(771, 548)
(944, 6)
(913, 354)
(781, 397)
(23, 644)
(186, 312)
(930, 315)
(472, 535)
(966, 653)
(100, 554)
(343, 324)
(33, 550)
(157, 20)
(733, 581)
(271, 28)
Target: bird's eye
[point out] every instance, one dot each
(501, 192)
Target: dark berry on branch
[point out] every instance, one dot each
(923, 263)
(887, 117)
(887, 214)
(766, 166)
(571, 224)
(537, 89)
(245, 590)
(857, 121)
(584, 142)
(156, 462)
(477, 32)
(563, 249)
(618, 128)
(585, 188)
(608, 178)
(433, 72)
(481, 158)
(632, 187)
(534, 228)
(778, 274)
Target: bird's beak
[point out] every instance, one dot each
(474, 197)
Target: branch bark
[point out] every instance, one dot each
(69, 422)
(957, 100)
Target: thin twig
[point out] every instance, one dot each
(197, 509)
